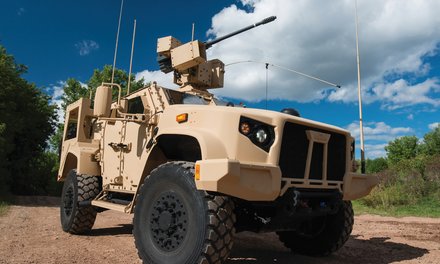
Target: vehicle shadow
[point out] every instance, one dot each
(121, 229)
(251, 248)
(265, 248)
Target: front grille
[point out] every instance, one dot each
(293, 156)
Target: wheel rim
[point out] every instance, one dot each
(168, 222)
(68, 201)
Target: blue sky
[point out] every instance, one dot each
(399, 44)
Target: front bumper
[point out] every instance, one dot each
(358, 185)
(263, 182)
(252, 182)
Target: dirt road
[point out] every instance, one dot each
(30, 233)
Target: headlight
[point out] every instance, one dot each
(245, 128)
(261, 134)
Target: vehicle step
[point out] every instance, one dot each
(109, 205)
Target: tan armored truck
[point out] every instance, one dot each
(195, 170)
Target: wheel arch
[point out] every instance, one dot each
(164, 151)
(80, 159)
(184, 146)
(70, 163)
(180, 147)
(205, 144)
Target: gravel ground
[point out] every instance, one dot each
(30, 232)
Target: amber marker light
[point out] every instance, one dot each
(197, 174)
(182, 118)
(245, 128)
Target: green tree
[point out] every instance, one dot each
(27, 120)
(431, 142)
(73, 90)
(56, 138)
(45, 167)
(376, 165)
(120, 77)
(403, 148)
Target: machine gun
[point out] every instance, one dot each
(191, 68)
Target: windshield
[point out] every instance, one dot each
(176, 97)
(194, 99)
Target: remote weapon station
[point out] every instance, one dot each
(195, 171)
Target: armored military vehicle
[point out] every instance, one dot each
(195, 171)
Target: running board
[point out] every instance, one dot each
(111, 206)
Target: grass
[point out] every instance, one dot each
(6, 199)
(427, 207)
(407, 188)
(3, 208)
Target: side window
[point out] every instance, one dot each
(71, 129)
(135, 106)
(72, 125)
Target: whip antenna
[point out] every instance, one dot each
(287, 69)
(361, 126)
(267, 80)
(117, 40)
(131, 57)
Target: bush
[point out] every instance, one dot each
(407, 183)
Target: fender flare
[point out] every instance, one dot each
(81, 160)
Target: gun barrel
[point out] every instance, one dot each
(262, 22)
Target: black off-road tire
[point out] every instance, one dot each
(174, 223)
(331, 233)
(78, 188)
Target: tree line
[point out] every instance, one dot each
(408, 150)
(27, 119)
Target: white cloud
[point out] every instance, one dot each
(376, 136)
(162, 79)
(373, 151)
(57, 93)
(401, 94)
(378, 131)
(394, 95)
(318, 38)
(84, 47)
(410, 117)
(433, 126)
